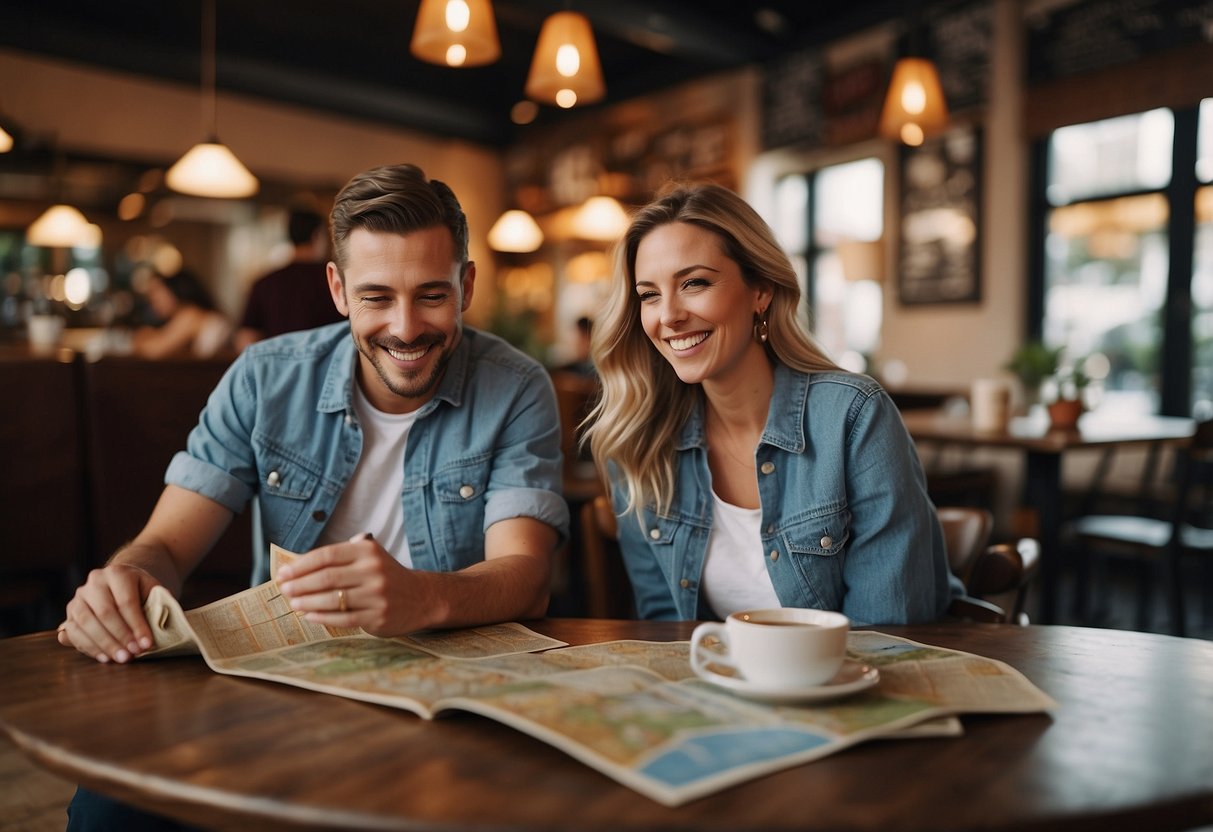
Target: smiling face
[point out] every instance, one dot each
(403, 297)
(695, 306)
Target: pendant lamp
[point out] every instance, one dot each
(209, 168)
(600, 218)
(515, 231)
(456, 33)
(564, 69)
(62, 226)
(915, 106)
(6, 140)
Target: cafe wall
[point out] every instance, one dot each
(113, 114)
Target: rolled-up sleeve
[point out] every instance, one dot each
(526, 477)
(218, 462)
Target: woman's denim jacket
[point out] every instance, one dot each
(281, 426)
(846, 521)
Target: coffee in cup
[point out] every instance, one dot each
(785, 648)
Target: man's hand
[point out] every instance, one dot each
(105, 618)
(358, 584)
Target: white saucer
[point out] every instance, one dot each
(851, 678)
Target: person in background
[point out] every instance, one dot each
(191, 325)
(296, 296)
(748, 470)
(415, 460)
(581, 363)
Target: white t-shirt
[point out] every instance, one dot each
(734, 572)
(372, 501)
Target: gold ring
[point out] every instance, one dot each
(341, 600)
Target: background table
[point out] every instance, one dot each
(1043, 449)
(1129, 748)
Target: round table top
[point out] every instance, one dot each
(1130, 746)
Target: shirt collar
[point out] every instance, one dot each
(785, 418)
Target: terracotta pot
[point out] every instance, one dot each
(1064, 413)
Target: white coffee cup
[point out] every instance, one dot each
(778, 649)
(990, 404)
(44, 331)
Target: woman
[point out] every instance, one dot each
(748, 469)
(191, 324)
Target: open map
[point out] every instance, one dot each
(630, 709)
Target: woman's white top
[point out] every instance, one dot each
(735, 572)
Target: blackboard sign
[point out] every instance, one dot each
(939, 255)
(1095, 34)
(961, 39)
(792, 111)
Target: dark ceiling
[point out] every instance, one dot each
(352, 57)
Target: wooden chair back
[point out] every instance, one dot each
(608, 592)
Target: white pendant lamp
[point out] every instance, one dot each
(515, 231)
(209, 168)
(565, 69)
(62, 226)
(600, 218)
(456, 33)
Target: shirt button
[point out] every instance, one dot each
(273, 479)
(774, 555)
(684, 583)
(654, 534)
(466, 491)
(318, 515)
(349, 419)
(767, 467)
(827, 542)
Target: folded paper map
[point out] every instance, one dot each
(632, 710)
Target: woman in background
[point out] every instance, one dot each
(749, 471)
(191, 324)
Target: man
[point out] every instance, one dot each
(296, 296)
(440, 441)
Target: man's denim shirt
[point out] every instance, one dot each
(281, 426)
(846, 521)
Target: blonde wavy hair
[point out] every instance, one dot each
(632, 429)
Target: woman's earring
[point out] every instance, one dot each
(761, 330)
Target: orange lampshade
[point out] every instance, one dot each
(565, 69)
(914, 107)
(456, 33)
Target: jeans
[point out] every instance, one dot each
(92, 812)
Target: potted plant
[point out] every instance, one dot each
(1032, 363)
(1066, 404)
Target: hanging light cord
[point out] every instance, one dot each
(210, 125)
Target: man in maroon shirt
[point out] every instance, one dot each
(297, 295)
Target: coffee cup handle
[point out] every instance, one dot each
(700, 661)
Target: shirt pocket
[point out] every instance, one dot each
(287, 488)
(461, 494)
(816, 544)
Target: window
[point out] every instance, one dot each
(818, 213)
(1117, 206)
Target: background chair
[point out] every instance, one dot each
(139, 414)
(1162, 543)
(42, 494)
(995, 577)
(608, 592)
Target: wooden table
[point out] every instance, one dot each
(1043, 449)
(1129, 748)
